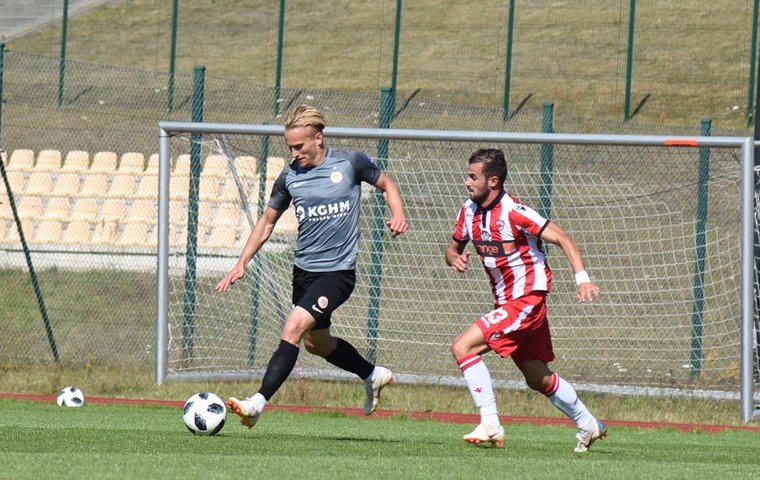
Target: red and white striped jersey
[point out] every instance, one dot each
(507, 236)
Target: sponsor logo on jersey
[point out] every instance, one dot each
(323, 212)
(493, 249)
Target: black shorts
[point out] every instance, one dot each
(320, 293)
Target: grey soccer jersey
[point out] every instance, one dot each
(326, 200)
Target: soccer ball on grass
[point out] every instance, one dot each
(70, 397)
(204, 414)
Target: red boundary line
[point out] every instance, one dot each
(435, 416)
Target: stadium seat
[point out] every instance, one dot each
(57, 208)
(222, 236)
(77, 232)
(106, 232)
(85, 209)
(148, 187)
(143, 210)
(27, 225)
(39, 183)
(48, 161)
(114, 209)
(17, 181)
(177, 213)
(67, 184)
(6, 211)
(134, 234)
(178, 188)
(274, 167)
(48, 231)
(132, 162)
(182, 165)
(215, 166)
(76, 161)
(30, 207)
(21, 159)
(227, 214)
(123, 186)
(152, 167)
(94, 185)
(3, 230)
(205, 214)
(104, 162)
(209, 188)
(231, 192)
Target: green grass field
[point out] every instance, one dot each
(42, 440)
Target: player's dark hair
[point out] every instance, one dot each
(494, 164)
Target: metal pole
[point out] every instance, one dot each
(629, 60)
(508, 67)
(162, 267)
(700, 254)
(747, 276)
(62, 60)
(396, 45)
(172, 57)
(278, 68)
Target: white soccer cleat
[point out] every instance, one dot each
(491, 433)
(587, 437)
(383, 377)
(245, 410)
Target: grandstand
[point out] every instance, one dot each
(66, 200)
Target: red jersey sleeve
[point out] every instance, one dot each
(524, 218)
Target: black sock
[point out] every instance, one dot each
(280, 366)
(347, 358)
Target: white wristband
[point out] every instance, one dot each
(582, 277)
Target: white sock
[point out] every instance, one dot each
(259, 402)
(371, 379)
(563, 396)
(479, 383)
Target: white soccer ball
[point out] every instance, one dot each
(70, 397)
(204, 413)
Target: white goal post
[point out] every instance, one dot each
(657, 219)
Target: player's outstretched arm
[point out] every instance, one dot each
(587, 290)
(259, 235)
(397, 224)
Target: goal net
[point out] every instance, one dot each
(658, 227)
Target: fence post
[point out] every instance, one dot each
(2, 71)
(508, 63)
(396, 44)
(62, 60)
(387, 102)
(278, 68)
(752, 63)
(629, 60)
(547, 163)
(701, 253)
(172, 57)
(192, 216)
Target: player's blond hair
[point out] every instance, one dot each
(305, 116)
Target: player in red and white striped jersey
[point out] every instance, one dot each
(507, 236)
